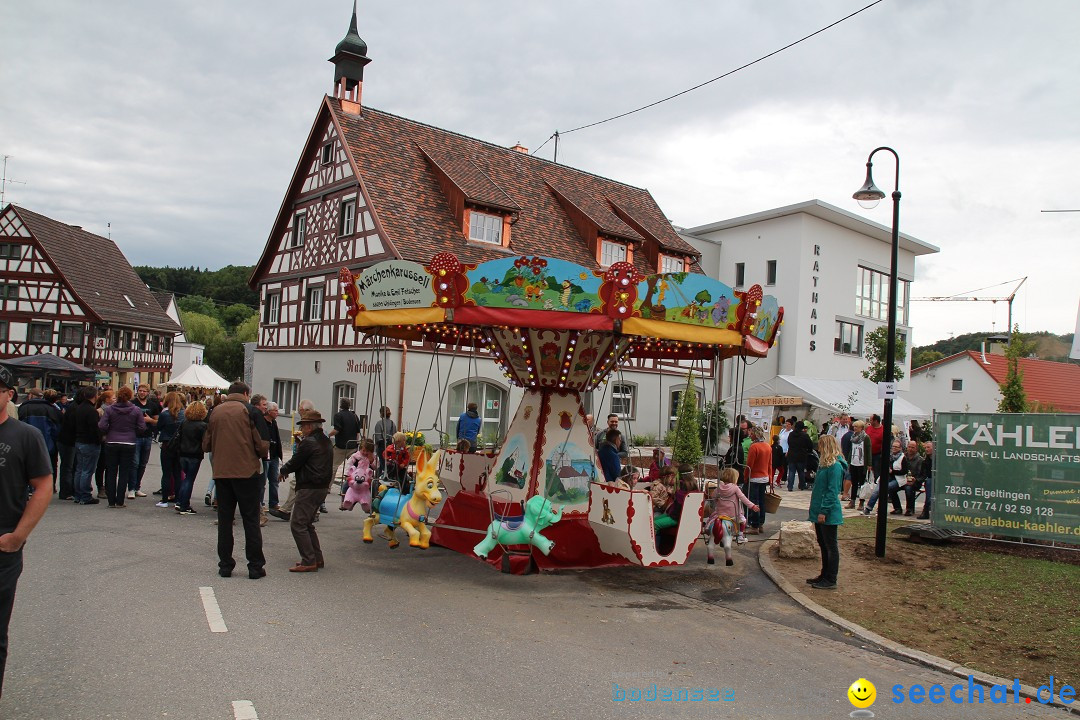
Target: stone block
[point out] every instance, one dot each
(797, 539)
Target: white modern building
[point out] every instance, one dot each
(829, 269)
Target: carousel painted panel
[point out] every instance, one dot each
(464, 471)
(533, 283)
(569, 463)
(622, 521)
(512, 469)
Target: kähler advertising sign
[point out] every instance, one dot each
(1008, 474)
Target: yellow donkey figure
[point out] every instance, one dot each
(391, 509)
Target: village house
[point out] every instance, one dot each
(73, 294)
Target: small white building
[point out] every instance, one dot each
(971, 382)
(829, 269)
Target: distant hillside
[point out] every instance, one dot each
(1047, 346)
(225, 286)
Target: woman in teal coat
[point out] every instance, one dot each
(825, 510)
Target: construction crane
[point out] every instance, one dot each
(970, 297)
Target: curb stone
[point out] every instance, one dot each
(923, 658)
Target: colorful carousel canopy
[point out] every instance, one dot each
(551, 323)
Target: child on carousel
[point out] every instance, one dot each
(397, 459)
(727, 501)
(358, 474)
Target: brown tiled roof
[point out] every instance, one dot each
(98, 272)
(389, 154)
(471, 180)
(1046, 383)
(163, 298)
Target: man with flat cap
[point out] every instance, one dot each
(24, 467)
(313, 463)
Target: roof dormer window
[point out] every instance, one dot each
(672, 264)
(611, 253)
(485, 227)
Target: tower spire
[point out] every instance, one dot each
(350, 57)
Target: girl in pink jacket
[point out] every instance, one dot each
(726, 513)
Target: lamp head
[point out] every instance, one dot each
(869, 195)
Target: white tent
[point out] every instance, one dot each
(200, 376)
(859, 398)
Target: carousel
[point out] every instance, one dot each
(557, 330)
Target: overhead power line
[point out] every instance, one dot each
(558, 133)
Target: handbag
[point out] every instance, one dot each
(866, 490)
(772, 502)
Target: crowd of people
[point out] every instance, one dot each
(98, 444)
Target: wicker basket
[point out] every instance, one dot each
(771, 503)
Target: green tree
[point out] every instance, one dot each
(248, 331)
(200, 328)
(712, 422)
(1013, 397)
(197, 304)
(925, 357)
(686, 449)
(234, 315)
(226, 355)
(877, 353)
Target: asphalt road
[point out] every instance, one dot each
(110, 623)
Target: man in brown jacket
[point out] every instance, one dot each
(238, 450)
(313, 464)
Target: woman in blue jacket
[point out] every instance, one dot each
(825, 510)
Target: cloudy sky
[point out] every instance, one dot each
(180, 123)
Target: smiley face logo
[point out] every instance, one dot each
(862, 693)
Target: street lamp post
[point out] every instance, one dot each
(869, 196)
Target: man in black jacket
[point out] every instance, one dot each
(799, 448)
(87, 445)
(313, 463)
(272, 465)
(45, 416)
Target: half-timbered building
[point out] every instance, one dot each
(72, 293)
(371, 186)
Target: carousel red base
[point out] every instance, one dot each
(576, 545)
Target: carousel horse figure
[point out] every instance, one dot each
(524, 530)
(391, 509)
(719, 530)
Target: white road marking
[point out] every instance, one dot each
(213, 612)
(244, 710)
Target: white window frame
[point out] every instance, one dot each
(675, 397)
(479, 392)
(347, 226)
(956, 381)
(313, 311)
(273, 308)
(672, 264)
(624, 400)
(611, 252)
(872, 295)
(299, 232)
(327, 156)
(740, 274)
(858, 336)
(485, 227)
(286, 394)
(770, 272)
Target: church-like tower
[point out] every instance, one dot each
(350, 57)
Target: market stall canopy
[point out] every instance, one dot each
(858, 396)
(200, 376)
(46, 364)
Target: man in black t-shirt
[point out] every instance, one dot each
(24, 466)
(151, 408)
(346, 430)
